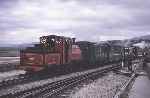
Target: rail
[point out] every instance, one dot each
(54, 88)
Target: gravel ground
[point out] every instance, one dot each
(19, 88)
(105, 87)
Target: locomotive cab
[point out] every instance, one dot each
(76, 54)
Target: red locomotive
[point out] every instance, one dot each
(52, 51)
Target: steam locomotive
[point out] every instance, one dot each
(59, 52)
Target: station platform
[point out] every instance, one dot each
(141, 87)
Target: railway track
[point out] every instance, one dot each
(122, 92)
(25, 78)
(14, 80)
(20, 79)
(54, 88)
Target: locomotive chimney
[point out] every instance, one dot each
(73, 40)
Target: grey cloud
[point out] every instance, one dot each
(132, 22)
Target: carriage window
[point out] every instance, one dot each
(75, 46)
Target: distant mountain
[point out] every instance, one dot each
(27, 45)
(142, 38)
(20, 46)
(146, 37)
(135, 40)
(130, 42)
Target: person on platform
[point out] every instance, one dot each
(129, 60)
(144, 59)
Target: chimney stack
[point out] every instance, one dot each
(73, 40)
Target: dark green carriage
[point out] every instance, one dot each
(115, 53)
(102, 52)
(88, 51)
(95, 53)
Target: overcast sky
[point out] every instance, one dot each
(23, 21)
